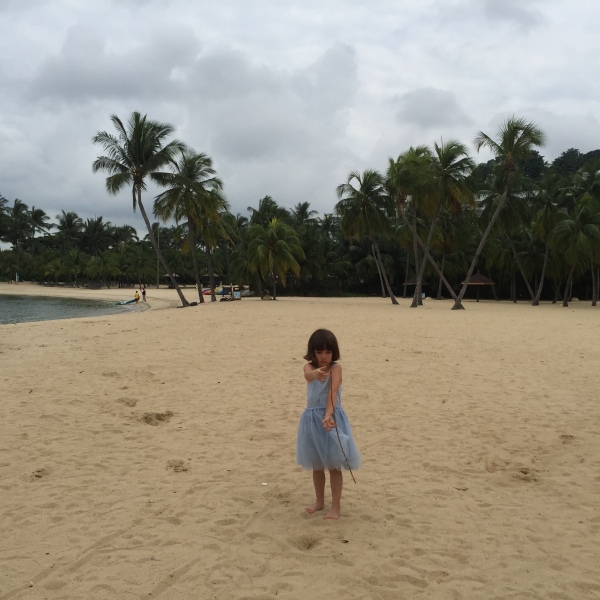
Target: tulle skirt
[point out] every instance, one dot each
(318, 449)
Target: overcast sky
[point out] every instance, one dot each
(287, 97)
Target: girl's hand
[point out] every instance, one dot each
(328, 423)
(321, 374)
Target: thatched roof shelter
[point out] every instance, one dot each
(478, 279)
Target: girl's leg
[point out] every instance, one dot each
(337, 481)
(319, 482)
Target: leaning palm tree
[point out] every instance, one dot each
(365, 210)
(193, 195)
(274, 251)
(450, 170)
(545, 199)
(516, 138)
(137, 153)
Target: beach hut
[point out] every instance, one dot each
(478, 280)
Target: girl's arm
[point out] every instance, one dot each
(311, 373)
(336, 381)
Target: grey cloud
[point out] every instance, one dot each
(89, 68)
(430, 107)
(515, 11)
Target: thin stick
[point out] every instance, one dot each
(336, 428)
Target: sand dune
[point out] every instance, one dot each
(151, 455)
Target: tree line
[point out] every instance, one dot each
(424, 225)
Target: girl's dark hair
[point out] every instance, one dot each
(322, 339)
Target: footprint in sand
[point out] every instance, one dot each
(177, 465)
(38, 474)
(155, 418)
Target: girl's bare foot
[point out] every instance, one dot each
(332, 514)
(314, 508)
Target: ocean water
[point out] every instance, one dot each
(22, 309)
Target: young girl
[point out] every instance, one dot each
(319, 445)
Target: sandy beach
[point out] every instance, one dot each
(151, 455)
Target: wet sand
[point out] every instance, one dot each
(151, 455)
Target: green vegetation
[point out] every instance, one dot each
(431, 221)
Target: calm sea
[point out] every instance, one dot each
(21, 309)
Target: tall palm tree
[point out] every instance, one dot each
(516, 138)
(545, 199)
(194, 196)
(274, 251)
(365, 210)
(450, 168)
(138, 152)
(409, 184)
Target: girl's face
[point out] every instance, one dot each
(323, 357)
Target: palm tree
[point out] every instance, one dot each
(139, 152)
(193, 195)
(516, 138)
(69, 227)
(578, 235)
(365, 209)
(450, 171)
(408, 183)
(545, 200)
(274, 250)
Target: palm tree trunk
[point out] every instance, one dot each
(430, 258)
(567, 295)
(184, 302)
(415, 245)
(513, 287)
(378, 271)
(518, 261)
(192, 243)
(439, 292)
(419, 285)
(594, 296)
(385, 278)
(493, 286)
(211, 274)
(274, 285)
(458, 303)
(536, 300)
(406, 273)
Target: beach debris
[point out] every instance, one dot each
(154, 418)
(265, 483)
(345, 541)
(461, 489)
(177, 465)
(566, 438)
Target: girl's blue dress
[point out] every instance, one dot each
(316, 447)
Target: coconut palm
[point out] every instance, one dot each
(274, 251)
(450, 172)
(516, 138)
(138, 152)
(194, 196)
(69, 227)
(365, 210)
(577, 234)
(409, 184)
(545, 198)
